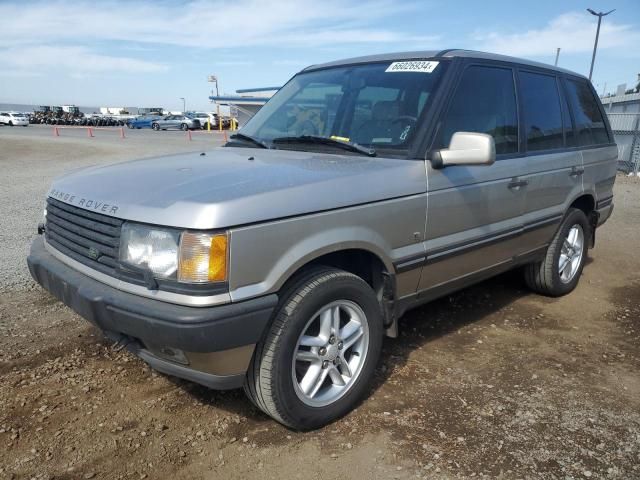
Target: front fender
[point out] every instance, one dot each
(282, 259)
(264, 256)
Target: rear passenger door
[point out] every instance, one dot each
(554, 164)
(594, 138)
(474, 212)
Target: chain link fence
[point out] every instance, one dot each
(626, 129)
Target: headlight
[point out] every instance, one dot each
(150, 248)
(188, 257)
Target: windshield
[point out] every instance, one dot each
(376, 105)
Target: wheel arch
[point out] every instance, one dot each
(362, 255)
(585, 202)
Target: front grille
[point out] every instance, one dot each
(90, 238)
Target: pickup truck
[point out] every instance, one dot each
(363, 188)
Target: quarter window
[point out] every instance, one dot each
(540, 102)
(484, 102)
(589, 122)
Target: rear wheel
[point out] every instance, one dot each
(184, 127)
(10, 123)
(559, 272)
(319, 356)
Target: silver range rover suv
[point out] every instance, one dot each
(363, 188)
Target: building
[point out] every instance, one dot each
(623, 110)
(247, 101)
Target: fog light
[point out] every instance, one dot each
(172, 354)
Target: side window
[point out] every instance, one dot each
(484, 102)
(589, 121)
(540, 102)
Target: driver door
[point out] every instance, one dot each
(474, 212)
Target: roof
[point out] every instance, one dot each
(627, 97)
(240, 100)
(450, 53)
(256, 90)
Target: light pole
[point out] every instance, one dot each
(214, 79)
(595, 45)
(184, 105)
(557, 56)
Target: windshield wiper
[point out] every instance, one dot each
(317, 139)
(255, 141)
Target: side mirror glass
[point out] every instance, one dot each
(467, 148)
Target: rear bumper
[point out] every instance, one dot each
(215, 344)
(605, 209)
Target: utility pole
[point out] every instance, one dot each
(184, 105)
(557, 56)
(595, 45)
(214, 79)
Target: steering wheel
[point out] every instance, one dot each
(410, 120)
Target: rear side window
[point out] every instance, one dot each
(540, 102)
(588, 119)
(484, 102)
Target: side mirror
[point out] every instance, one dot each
(466, 148)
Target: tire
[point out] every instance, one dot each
(155, 126)
(544, 277)
(130, 126)
(10, 123)
(184, 127)
(272, 381)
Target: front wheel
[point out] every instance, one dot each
(319, 356)
(184, 127)
(155, 126)
(559, 272)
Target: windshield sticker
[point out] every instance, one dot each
(342, 139)
(422, 66)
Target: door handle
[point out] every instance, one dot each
(576, 172)
(515, 183)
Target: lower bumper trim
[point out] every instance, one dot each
(216, 382)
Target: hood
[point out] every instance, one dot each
(235, 186)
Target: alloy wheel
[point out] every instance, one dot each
(571, 254)
(330, 353)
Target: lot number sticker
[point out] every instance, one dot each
(422, 66)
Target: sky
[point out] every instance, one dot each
(151, 53)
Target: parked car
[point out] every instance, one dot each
(14, 119)
(204, 117)
(183, 122)
(362, 189)
(142, 121)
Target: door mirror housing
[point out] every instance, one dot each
(466, 148)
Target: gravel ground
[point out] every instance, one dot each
(491, 382)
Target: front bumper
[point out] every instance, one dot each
(208, 336)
